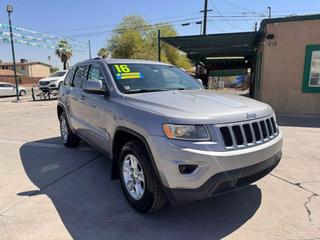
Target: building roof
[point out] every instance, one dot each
(24, 64)
(8, 72)
(290, 19)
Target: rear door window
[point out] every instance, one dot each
(80, 76)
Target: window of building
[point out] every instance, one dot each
(311, 75)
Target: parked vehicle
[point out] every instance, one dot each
(9, 89)
(169, 139)
(53, 82)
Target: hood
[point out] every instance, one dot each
(49, 79)
(205, 106)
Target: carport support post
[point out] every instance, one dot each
(9, 10)
(159, 47)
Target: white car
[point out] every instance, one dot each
(9, 89)
(53, 82)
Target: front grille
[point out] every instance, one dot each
(44, 83)
(240, 135)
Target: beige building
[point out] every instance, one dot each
(288, 64)
(29, 69)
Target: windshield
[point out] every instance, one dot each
(134, 78)
(58, 74)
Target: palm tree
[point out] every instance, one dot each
(64, 52)
(103, 53)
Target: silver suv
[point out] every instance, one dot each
(169, 139)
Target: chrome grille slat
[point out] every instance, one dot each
(232, 136)
(245, 140)
(260, 130)
(249, 133)
(252, 132)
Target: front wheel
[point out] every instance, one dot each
(68, 137)
(22, 93)
(138, 179)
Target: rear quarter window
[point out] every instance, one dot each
(69, 78)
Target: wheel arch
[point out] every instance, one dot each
(123, 135)
(60, 110)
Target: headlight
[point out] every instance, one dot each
(186, 132)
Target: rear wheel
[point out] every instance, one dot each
(138, 179)
(68, 137)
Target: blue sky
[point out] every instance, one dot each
(83, 20)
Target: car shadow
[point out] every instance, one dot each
(290, 120)
(91, 206)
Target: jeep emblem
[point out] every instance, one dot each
(251, 116)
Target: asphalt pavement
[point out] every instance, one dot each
(48, 191)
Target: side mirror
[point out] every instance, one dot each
(95, 87)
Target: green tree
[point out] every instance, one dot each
(103, 53)
(64, 52)
(53, 69)
(135, 38)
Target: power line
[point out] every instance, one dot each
(172, 23)
(236, 5)
(114, 25)
(217, 10)
(144, 27)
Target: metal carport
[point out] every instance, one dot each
(219, 52)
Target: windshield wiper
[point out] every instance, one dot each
(178, 89)
(146, 90)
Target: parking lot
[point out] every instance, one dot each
(50, 192)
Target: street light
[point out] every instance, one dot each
(10, 10)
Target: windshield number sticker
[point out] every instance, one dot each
(122, 68)
(131, 75)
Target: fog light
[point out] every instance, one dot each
(187, 168)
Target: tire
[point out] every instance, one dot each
(152, 198)
(22, 93)
(69, 139)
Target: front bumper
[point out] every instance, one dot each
(216, 172)
(223, 182)
(51, 86)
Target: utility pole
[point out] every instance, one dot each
(205, 11)
(89, 43)
(10, 10)
(269, 11)
(255, 26)
(159, 46)
(205, 17)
